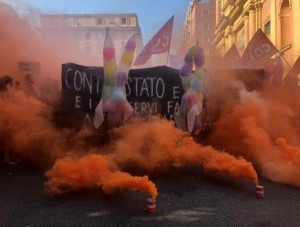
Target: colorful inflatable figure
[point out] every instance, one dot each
(188, 117)
(114, 99)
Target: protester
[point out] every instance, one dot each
(5, 81)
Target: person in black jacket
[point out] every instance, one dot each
(4, 82)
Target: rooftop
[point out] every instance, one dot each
(89, 15)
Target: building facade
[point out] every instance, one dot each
(199, 24)
(237, 21)
(81, 36)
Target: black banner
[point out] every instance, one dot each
(156, 90)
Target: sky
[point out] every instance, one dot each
(151, 14)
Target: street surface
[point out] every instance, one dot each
(187, 197)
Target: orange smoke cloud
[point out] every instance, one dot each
(91, 172)
(151, 145)
(19, 42)
(261, 127)
(278, 160)
(157, 144)
(265, 125)
(26, 130)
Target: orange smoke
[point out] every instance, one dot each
(26, 130)
(26, 122)
(20, 42)
(261, 127)
(156, 144)
(266, 126)
(91, 172)
(278, 160)
(151, 145)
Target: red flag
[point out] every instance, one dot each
(259, 47)
(232, 57)
(160, 43)
(295, 70)
(292, 76)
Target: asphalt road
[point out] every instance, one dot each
(187, 197)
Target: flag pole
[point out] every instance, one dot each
(281, 56)
(170, 43)
(282, 52)
(168, 57)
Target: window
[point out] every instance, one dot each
(205, 13)
(206, 26)
(123, 20)
(267, 28)
(100, 20)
